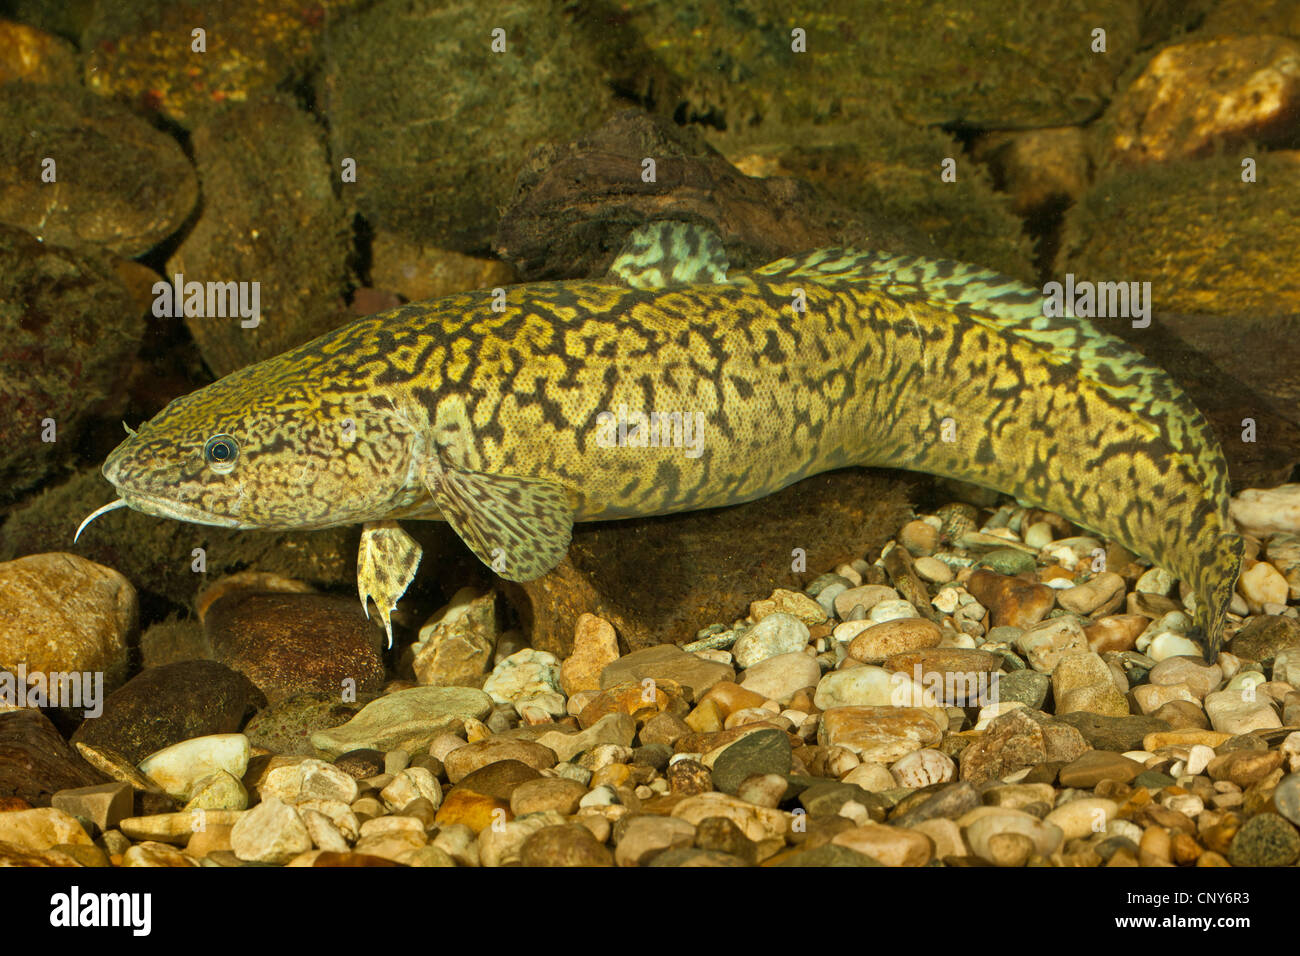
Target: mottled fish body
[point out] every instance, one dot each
(513, 424)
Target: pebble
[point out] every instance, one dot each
(1046, 643)
(1027, 687)
(409, 785)
(1234, 712)
(503, 845)
(1167, 645)
(455, 646)
(406, 719)
(63, 613)
(872, 686)
(41, 828)
(779, 678)
(1083, 817)
(789, 602)
(644, 837)
(892, 611)
(866, 596)
(177, 768)
(595, 647)
(1155, 581)
(102, 804)
(923, 768)
(933, 570)
(1008, 561)
(567, 845)
(1102, 594)
(762, 752)
(1198, 677)
(1115, 632)
(983, 832)
(666, 662)
(527, 677)
(920, 538)
(756, 823)
(617, 728)
(1098, 765)
(1266, 839)
(1012, 602)
(880, 734)
(891, 846)
(219, 790)
(1261, 584)
(879, 641)
(272, 832)
(1286, 797)
(465, 760)
(1083, 681)
(1262, 637)
(309, 779)
(778, 633)
(1151, 697)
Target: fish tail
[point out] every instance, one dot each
(1215, 580)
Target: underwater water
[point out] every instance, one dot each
(650, 434)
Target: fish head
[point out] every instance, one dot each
(260, 449)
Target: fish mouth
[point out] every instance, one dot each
(161, 507)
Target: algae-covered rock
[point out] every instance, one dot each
(270, 216)
(895, 172)
(437, 152)
(1206, 241)
(952, 61)
(1278, 17)
(69, 327)
(145, 52)
(119, 183)
(27, 53)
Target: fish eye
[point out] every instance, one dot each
(220, 451)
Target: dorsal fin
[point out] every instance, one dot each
(665, 253)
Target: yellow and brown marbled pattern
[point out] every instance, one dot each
(1050, 410)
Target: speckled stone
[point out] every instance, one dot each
(1266, 839)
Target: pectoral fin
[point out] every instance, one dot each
(519, 527)
(386, 564)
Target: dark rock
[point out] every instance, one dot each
(288, 644)
(360, 764)
(1264, 636)
(36, 763)
(52, 366)
(1119, 734)
(165, 705)
(1265, 840)
(498, 780)
(570, 845)
(827, 798)
(1098, 765)
(949, 802)
(766, 751)
(828, 854)
(129, 188)
(689, 777)
(1012, 742)
(286, 727)
(703, 575)
(172, 641)
(694, 856)
(435, 170)
(278, 219)
(723, 836)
